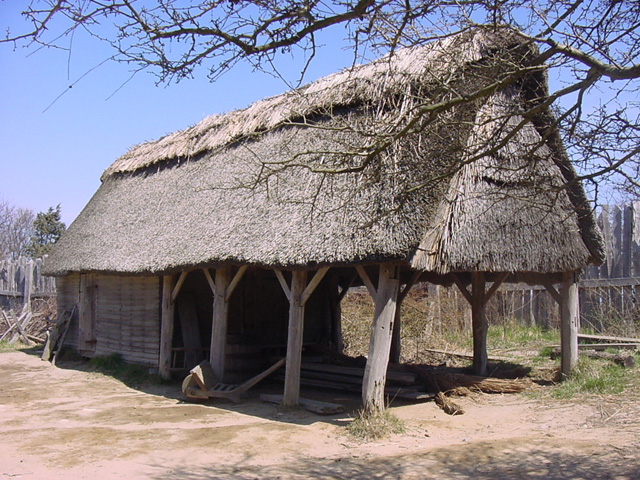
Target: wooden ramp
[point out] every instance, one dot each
(202, 383)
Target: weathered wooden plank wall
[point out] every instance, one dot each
(68, 296)
(128, 318)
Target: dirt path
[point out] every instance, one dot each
(64, 423)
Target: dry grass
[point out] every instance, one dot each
(370, 426)
(438, 319)
(443, 323)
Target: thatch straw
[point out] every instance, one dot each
(371, 83)
(247, 187)
(447, 405)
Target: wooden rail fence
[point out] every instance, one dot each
(21, 280)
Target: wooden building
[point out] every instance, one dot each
(237, 238)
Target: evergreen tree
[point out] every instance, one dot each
(47, 230)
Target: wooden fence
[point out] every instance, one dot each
(609, 294)
(21, 281)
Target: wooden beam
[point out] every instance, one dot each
(217, 352)
(375, 373)
(479, 323)
(283, 284)
(610, 282)
(495, 286)
(166, 327)
(366, 280)
(176, 289)
(396, 340)
(396, 336)
(345, 288)
(607, 338)
(570, 318)
(234, 283)
(294, 340)
(28, 285)
(313, 284)
(463, 288)
(335, 313)
(552, 290)
(210, 281)
(409, 285)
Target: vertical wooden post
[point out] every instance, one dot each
(375, 373)
(294, 340)
(217, 352)
(396, 339)
(166, 327)
(570, 317)
(335, 315)
(28, 285)
(479, 323)
(86, 314)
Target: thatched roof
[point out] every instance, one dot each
(259, 186)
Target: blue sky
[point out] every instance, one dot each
(54, 151)
(57, 156)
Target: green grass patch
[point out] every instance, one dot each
(545, 352)
(370, 426)
(510, 335)
(594, 376)
(129, 374)
(7, 347)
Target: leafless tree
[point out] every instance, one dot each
(590, 49)
(16, 228)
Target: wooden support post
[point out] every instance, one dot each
(479, 323)
(478, 298)
(86, 314)
(298, 295)
(235, 282)
(178, 286)
(217, 352)
(335, 314)
(28, 285)
(552, 291)
(294, 341)
(396, 340)
(375, 373)
(570, 318)
(210, 281)
(166, 327)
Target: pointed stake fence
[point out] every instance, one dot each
(21, 280)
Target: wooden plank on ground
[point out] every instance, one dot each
(400, 377)
(606, 338)
(389, 391)
(604, 346)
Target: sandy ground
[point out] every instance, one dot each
(66, 423)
